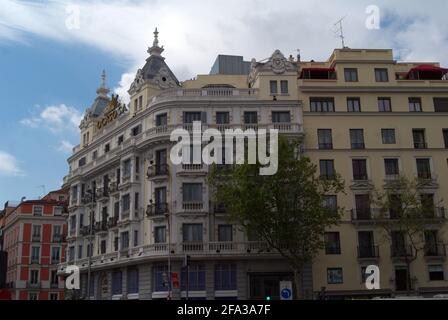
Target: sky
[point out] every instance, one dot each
(52, 54)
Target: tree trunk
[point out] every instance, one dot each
(297, 283)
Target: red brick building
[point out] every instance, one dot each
(34, 237)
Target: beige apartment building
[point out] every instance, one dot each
(148, 214)
(371, 119)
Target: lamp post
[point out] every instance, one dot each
(89, 269)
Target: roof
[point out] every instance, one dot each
(99, 104)
(153, 66)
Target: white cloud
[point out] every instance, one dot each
(55, 118)
(194, 32)
(66, 147)
(9, 165)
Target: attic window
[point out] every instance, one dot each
(163, 79)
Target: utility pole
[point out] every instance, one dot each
(89, 270)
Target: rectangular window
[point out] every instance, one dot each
(222, 117)
(116, 282)
(225, 276)
(398, 244)
(82, 162)
(103, 246)
(281, 117)
(388, 136)
(116, 241)
(357, 138)
(327, 169)
(363, 210)
(140, 102)
(381, 75)
(325, 139)
(36, 232)
(190, 117)
(384, 105)
(196, 278)
(441, 104)
(35, 254)
(225, 233)
(136, 130)
(80, 251)
(56, 231)
(322, 104)
(436, 272)
(94, 155)
(445, 138)
(55, 254)
(192, 232)
(127, 168)
(161, 120)
(351, 74)
(423, 168)
(359, 169)
(124, 240)
(54, 296)
(284, 86)
(120, 140)
(54, 279)
(415, 104)
(192, 192)
(71, 253)
(136, 202)
(331, 203)
(353, 104)
(132, 280)
(419, 138)
(250, 117)
(273, 86)
(160, 234)
(38, 210)
(34, 276)
(160, 278)
(126, 202)
(135, 238)
(391, 168)
(107, 148)
(332, 243)
(334, 276)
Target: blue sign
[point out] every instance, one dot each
(286, 293)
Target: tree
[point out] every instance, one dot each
(403, 212)
(285, 210)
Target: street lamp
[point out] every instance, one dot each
(92, 201)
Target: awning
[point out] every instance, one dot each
(317, 71)
(426, 72)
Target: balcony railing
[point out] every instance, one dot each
(157, 170)
(35, 260)
(325, 146)
(435, 250)
(35, 238)
(360, 177)
(33, 285)
(420, 145)
(112, 222)
(424, 175)
(401, 251)
(58, 238)
(156, 209)
(101, 226)
(359, 145)
(368, 251)
(192, 167)
(192, 205)
(361, 214)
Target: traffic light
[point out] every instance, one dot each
(268, 298)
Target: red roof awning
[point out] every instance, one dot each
(428, 67)
(426, 71)
(319, 69)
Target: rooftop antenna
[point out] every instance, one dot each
(298, 55)
(340, 31)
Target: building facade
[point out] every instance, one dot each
(372, 119)
(134, 216)
(34, 238)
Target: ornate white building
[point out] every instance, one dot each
(149, 214)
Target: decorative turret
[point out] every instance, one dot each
(102, 91)
(155, 50)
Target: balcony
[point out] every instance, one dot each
(33, 284)
(436, 250)
(101, 226)
(158, 170)
(112, 222)
(397, 251)
(102, 192)
(192, 205)
(195, 169)
(219, 208)
(113, 187)
(58, 238)
(157, 209)
(368, 252)
(205, 94)
(35, 260)
(85, 231)
(35, 238)
(55, 260)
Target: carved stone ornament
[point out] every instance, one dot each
(138, 81)
(278, 62)
(164, 80)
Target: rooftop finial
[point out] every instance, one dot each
(155, 49)
(102, 91)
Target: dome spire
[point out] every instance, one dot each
(102, 91)
(155, 50)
